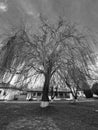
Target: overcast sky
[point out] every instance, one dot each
(83, 11)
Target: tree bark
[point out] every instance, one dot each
(46, 89)
(45, 98)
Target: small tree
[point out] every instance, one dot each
(72, 79)
(76, 75)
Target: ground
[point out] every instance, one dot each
(58, 116)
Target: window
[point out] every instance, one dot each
(38, 94)
(61, 94)
(34, 94)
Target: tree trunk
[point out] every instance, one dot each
(45, 98)
(75, 99)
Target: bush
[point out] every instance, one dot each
(88, 93)
(95, 88)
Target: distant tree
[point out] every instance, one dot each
(77, 75)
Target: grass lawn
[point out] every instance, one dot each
(58, 116)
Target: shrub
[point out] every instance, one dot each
(88, 93)
(95, 88)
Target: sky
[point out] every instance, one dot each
(85, 12)
(14, 12)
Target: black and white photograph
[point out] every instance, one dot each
(48, 64)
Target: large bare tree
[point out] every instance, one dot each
(53, 47)
(50, 52)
